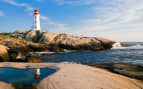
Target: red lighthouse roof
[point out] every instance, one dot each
(36, 12)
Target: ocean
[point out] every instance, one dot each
(132, 55)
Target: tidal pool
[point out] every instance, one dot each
(23, 76)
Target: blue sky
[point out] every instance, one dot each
(119, 20)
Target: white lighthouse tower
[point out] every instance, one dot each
(36, 20)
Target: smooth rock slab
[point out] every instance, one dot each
(77, 76)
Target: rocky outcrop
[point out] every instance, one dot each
(4, 53)
(82, 43)
(33, 58)
(47, 37)
(34, 36)
(15, 46)
(19, 34)
(19, 48)
(31, 35)
(129, 70)
(21, 43)
(67, 41)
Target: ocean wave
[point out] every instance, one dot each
(131, 47)
(135, 47)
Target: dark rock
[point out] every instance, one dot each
(33, 58)
(129, 70)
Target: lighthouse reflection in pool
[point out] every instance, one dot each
(23, 76)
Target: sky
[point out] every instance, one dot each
(119, 20)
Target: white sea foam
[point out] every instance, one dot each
(69, 62)
(117, 45)
(131, 47)
(134, 47)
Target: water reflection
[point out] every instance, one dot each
(23, 76)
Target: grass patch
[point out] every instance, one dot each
(5, 34)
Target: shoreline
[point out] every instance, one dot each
(77, 76)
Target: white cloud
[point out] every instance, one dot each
(12, 2)
(54, 25)
(120, 20)
(114, 19)
(61, 2)
(44, 17)
(50, 22)
(79, 2)
(1, 13)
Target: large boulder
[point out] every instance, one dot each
(18, 48)
(82, 43)
(33, 58)
(31, 35)
(40, 36)
(4, 53)
(34, 35)
(74, 40)
(47, 37)
(19, 34)
(106, 42)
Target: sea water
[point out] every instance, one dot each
(132, 55)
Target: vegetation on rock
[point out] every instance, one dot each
(5, 34)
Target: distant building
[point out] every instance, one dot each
(36, 20)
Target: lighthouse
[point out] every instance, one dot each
(36, 20)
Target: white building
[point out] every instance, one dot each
(36, 20)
